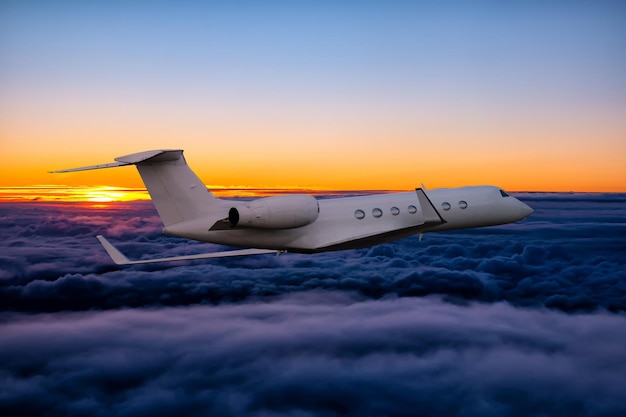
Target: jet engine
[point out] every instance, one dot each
(280, 212)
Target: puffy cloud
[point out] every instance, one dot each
(315, 353)
(568, 255)
(441, 326)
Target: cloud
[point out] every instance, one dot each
(568, 256)
(465, 323)
(315, 353)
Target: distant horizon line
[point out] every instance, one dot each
(49, 193)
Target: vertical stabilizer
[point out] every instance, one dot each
(177, 193)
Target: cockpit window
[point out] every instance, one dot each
(504, 193)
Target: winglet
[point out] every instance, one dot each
(120, 259)
(117, 256)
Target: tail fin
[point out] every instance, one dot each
(177, 193)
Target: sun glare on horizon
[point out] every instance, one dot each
(101, 196)
(66, 194)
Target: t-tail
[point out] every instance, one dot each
(177, 193)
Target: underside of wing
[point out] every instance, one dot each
(120, 259)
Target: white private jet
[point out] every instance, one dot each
(301, 223)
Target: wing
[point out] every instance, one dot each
(120, 259)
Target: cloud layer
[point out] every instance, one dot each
(317, 353)
(569, 256)
(525, 319)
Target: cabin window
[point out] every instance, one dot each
(463, 204)
(412, 209)
(504, 193)
(377, 212)
(359, 214)
(446, 206)
(395, 211)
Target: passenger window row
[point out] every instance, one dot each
(446, 206)
(376, 212)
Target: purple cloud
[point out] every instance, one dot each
(568, 255)
(315, 353)
(466, 323)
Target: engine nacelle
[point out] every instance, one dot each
(281, 212)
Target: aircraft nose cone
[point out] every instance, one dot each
(525, 210)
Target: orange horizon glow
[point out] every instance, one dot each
(391, 170)
(55, 193)
(102, 196)
(357, 162)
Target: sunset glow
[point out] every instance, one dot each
(101, 195)
(55, 193)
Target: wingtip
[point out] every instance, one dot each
(118, 257)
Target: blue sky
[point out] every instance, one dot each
(311, 45)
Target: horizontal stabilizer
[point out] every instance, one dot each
(120, 259)
(87, 168)
(160, 155)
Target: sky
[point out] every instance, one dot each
(529, 96)
(524, 319)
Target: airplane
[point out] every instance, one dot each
(301, 223)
